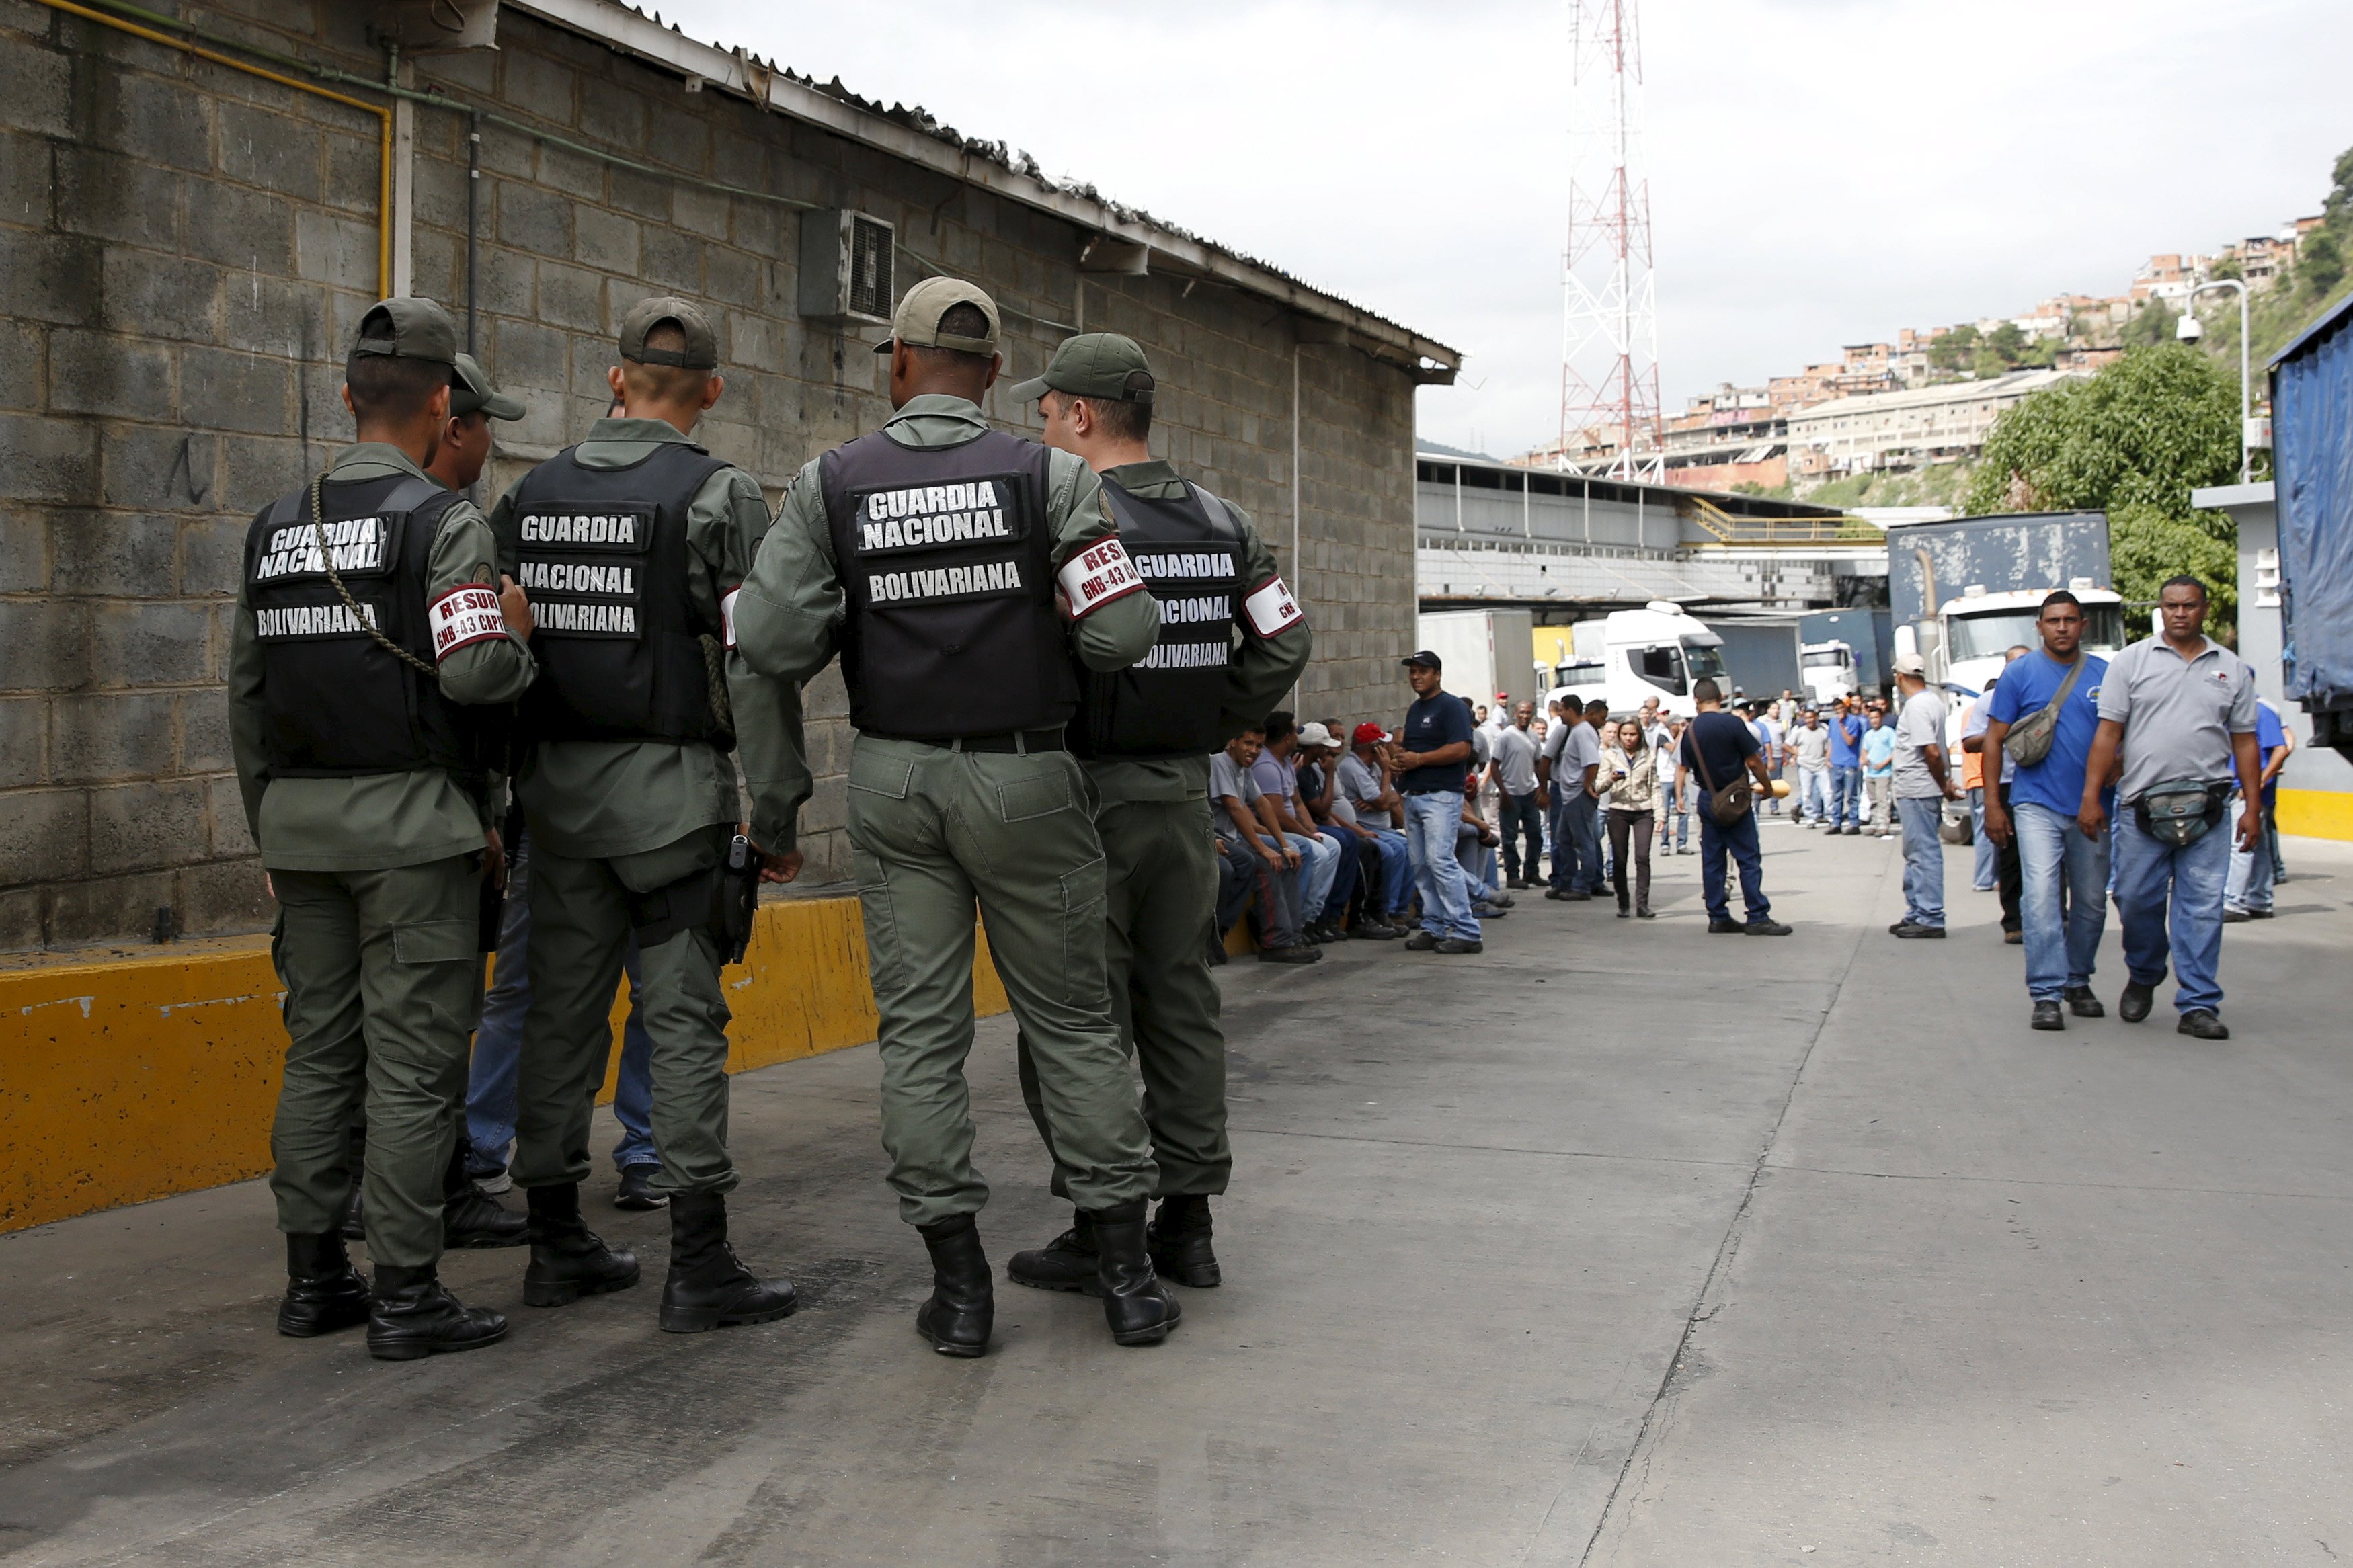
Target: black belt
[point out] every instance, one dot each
(1028, 741)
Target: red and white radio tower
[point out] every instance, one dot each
(1609, 341)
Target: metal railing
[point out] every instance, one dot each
(1724, 529)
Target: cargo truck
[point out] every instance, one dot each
(1486, 652)
(1631, 654)
(2312, 433)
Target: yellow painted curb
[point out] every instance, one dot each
(2316, 813)
(134, 1077)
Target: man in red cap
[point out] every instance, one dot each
(1368, 783)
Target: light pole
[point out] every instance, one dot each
(2189, 331)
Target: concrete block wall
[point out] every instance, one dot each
(183, 253)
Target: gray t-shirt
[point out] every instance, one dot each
(1515, 761)
(1921, 723)
(1227, 777)
(1580, 749)
(1360, 786)
(1812, 744)
(2178, 714)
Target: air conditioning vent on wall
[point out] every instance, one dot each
(846, 271)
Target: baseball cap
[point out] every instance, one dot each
(470, 390)
(1424, 656)
(916, 323)
(408, 327)
(701, 351)
(1102, 365)
(1911, 664)
(1315, 733)
(1371, 735)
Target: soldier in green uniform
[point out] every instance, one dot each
(369, 646)
(638, 538)
(1232, 641)
(968, 579)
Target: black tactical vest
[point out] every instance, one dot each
(947, 562)
(603, 557)
(337, 703)
(1189, 554)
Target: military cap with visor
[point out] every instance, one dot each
(1104, 367)
(916, 322)
(408, 327)
(471, 392)
(701, 350)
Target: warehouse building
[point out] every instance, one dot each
(194, 212)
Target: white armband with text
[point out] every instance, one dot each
(466, 615)
(1270, 608)
(727, 617)
(1096, 575)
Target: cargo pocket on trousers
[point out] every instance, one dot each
(1082, 932)
(884, 967)
(1024, 800)
(441, 943)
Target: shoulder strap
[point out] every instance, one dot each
(1699, 755)
(413, 492)
(2060, 699)
(1221, 517)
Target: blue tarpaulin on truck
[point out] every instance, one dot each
(2312, 454)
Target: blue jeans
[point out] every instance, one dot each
(1521, 819)
(1985, 868)
(1580, 814)
(1924, 861)
(2252, 871)
(1739, 841)
(1676, 813)
(1319, 863)
(1564, 854)
(1394, 891)
(1846, 795)
(1430, 820)
(498, 1044)
(2064, 899)
(2172, 906)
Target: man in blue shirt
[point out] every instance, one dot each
(1846, 768)
(1716, 749)
(1879, 773)
(1435, 758)
(2063, 870)
(2248, 896)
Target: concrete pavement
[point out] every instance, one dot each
(1621, 1244)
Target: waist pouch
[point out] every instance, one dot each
(2180, 811)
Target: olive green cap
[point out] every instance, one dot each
(1102, 365)
(408, 327)
(917, 321)
(701, 351)
(470, 390)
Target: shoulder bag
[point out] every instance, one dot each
(2028, 740)
(1729, 804)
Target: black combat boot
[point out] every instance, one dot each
(568, 1260)
(415, 1317)
(1065, 1263)
(354, 1224)
(470, 1216)
(962, 1306)
(323, 1291)
(1178, 1240)
(1136, 1305)
(708, 1287)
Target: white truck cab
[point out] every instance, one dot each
(1975, 630)
(1830, 671)
(1630, 656)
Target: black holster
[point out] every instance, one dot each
(718, 900)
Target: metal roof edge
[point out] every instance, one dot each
(629, 31)
(2327, 321)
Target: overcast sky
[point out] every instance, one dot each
(1822, 172)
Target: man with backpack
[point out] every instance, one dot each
(1722, 752)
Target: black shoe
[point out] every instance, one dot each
(1556, 893)
(323, 1291)
(1217, 954)
(636, 1192)
(2231, 917)
(1066, 1263)
(1489, 911)
(2014, 938)
(413, 1316)
(355, 1225)
(473, 1218)
(1578, 896)
(1375, 931)
(568, 1260)
(1642, 912)
(1854, 832)
(1766, 928)
(1625, 912)
(1460, 944)
(1138, 1306)
(2047, 1016)
(1724, 928)
(1178, 1239)
(708, 1286)
(2261, 914)
(1911, 932)
(963, 1305)
(1421, 942)
(2134, 1005)
(2201, 1023)
(1503, 901)
(2082, 1003)
(1297, 953)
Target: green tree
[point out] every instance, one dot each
(2150, 325)
(2132, 441)
(1955, 349)
(2007, 342)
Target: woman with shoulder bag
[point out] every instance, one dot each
(1628, 784)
